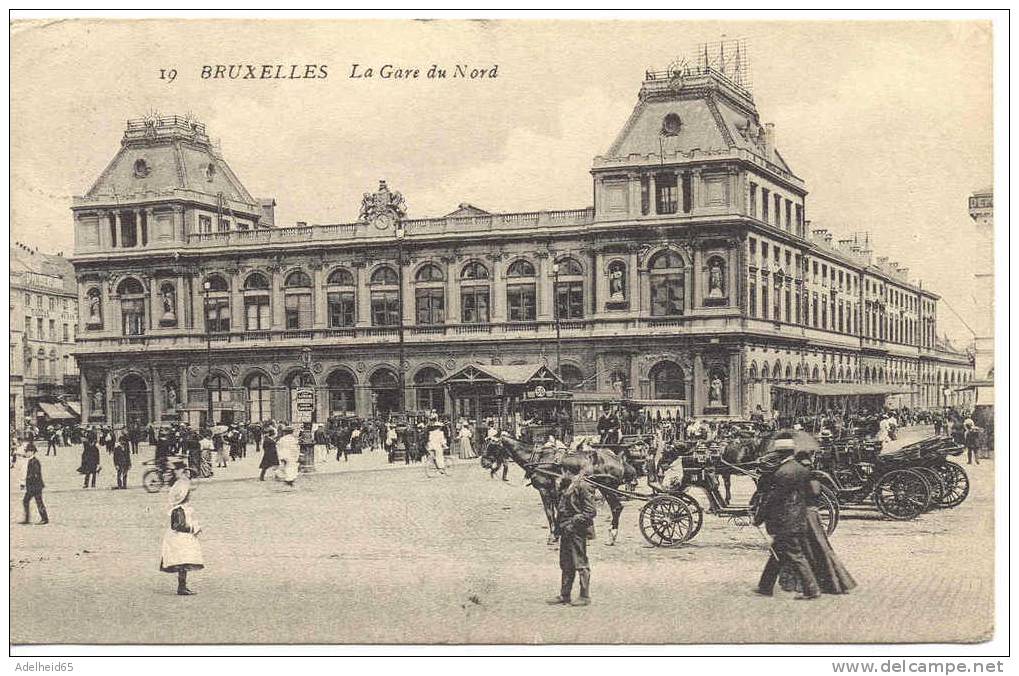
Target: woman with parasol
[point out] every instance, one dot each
(181, 551)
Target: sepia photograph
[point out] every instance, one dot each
(622, 331)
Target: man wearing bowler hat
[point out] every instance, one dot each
(785, 494)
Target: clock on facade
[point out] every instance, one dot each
(384, 220)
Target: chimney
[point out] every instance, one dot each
(268, 218)
(769, 141)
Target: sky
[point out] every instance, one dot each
(889, 124)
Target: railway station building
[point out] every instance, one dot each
(696, 277)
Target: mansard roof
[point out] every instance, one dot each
(167, 153)
(712, 118)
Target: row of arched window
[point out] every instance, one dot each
(667, 275)
(868, 375)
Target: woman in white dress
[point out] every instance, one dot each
(437, 444)
(466, 440)
(181, 550)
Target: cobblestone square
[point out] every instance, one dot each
(392, 556)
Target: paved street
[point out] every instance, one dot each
(392, 556)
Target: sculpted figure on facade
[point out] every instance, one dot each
(716, 279)
(716, 391)
(169, 297)
(617, 282)
(98, 401)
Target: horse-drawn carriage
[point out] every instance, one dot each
(902, 484)
(662, 521)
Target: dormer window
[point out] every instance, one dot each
(141, 168)
(671, 125)
(210, 171)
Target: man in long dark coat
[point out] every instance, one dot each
(33, 485)
(575, 521)
(785, 495)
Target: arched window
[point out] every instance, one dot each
(297, 300)
(573, 377)
(667, 284)
(217, 284)
(256, 282)
(385, 297)
(340, 277)
(429, 295)
(520, 294)
(217, 388)
(831, 374)
(788, 372)
(474, 294)
(259, 390)
(776, 371)
(217, 304)
(428, 394)
(340, 384)
(257, 303)
(298, 279)
(40, 363)
(765, 372)
(94, 318)
(341, 299)
(385, 393)
(815, 376)
(667, 381)
(569, 289)
(752, 371)
(385, 276)
(132, 306)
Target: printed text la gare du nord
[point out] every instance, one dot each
(358, 71)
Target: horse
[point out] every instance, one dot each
(494, 456)
(546, 466)
(737, 451)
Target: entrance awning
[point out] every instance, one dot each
(55, 411)
(844, 389)
(516, 374)
(75, 406)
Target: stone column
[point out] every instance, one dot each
(601, 283)
(735, 384)
(693, 293)
(409, 304)
(156, 396)
(634, 185)
(545, 295)
(319, 299)
(452, 296)
(363, 295)
(652, 208)
(111, 315)
(108, 393)
(118, 234)
(277, 300)
(148, 226)
(182, 386)
(155, 304)
(197, 303)
(104, 229)
(697, 392)
(498, 291)
(86, 401)
(179, 231)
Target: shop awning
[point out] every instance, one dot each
(514, 374)
(843, 389)
(75, 407)
(55, 411)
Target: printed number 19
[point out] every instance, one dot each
(168, 74)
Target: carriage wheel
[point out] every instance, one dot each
(696, 511)
(666, 521)
(937, 485)
(152, 481)
(956, 484)
(828, 510)
(902, 494)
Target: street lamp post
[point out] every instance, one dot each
(401, 376)
(207, 286)
(555, 310)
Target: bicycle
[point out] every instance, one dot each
(154, 479)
